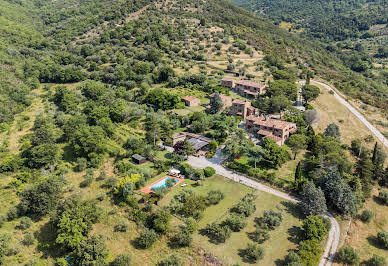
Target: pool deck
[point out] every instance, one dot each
(148, 189)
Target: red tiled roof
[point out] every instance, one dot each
(238, 101)
(268, 122)
(189, 98)
(251, 83)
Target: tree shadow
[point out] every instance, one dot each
(46, 241)
(295, 234)
(373, 241)
(246, 259)
(293, 209)
(378, 200)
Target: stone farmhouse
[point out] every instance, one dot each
(264, 126)
(246, 88)
(200, 143)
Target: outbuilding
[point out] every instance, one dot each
(138, 159)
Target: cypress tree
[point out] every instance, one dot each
(378, 159)
(298, 172)
(364, 170)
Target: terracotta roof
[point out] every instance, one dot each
(251, 83)
(238, 101)
(190, 98)
(268, 122)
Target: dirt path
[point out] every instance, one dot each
(334, 233)
(31, 112)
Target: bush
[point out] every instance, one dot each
(377, 260)
(367, 216)
(292, 259)
(121, 260)
(217, 233)
(215, 196)
(314, 228)
(172, 260)
(147, 238)
(260, 235)
(244, 207)
(209, 171)
(383, 196)
(122, 226)
(82, 163)
(25, 223)
(236, 222)
(12, 213)
(182, 239)
(348, 256)
(28, 240)
(270, 219)
(382, 238)
(253, 252)
(191, 225)
(310, 252)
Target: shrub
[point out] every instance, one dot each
(172, 260)
(260, 235)
(383, 196)
(28, 240)
(236, 222)
(122, 226)
(377, 260)
(12, 213)
(382, 238)
(348, 256)
(25, 223)
(110, 182)
(244, 207)
(310, 252)
(366, 216)
(270, 219)
(217, 233)
(182, 239)
(209, 171)
(292, 259)
(82, 163)
(191, 225)
(121, 260)
(253, 252)
(215, 196)
(147, 238)
(314, 228)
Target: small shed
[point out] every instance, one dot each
(138, 159)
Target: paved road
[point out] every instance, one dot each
(216, 161)
(374, 130)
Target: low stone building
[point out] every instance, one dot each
(242, 108)
(191, 101)
(228, 83)
(264, 126)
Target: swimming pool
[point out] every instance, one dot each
(162, 183)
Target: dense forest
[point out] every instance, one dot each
(87, 86)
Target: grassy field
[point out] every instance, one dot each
(331, 111)
(362, 236)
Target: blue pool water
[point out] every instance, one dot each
(162, 183)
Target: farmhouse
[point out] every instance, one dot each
(264, 126)
(242, 108)
(200, 143)
(249, 89)
(191, 101)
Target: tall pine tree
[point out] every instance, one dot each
(364, 170)
(378, 159)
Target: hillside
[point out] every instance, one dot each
(95, 98)
(354, 30)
